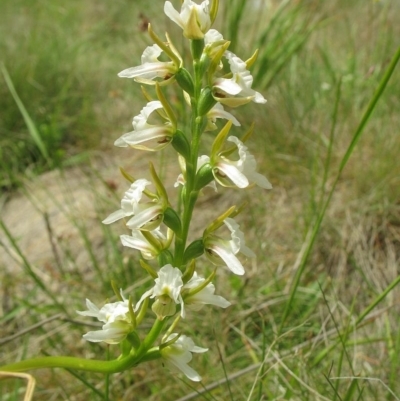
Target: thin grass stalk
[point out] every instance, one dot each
(274, 20)
(370, 379)
(394, 369)
(225, 371)
(29, 270)
(331, 141)
(234, 13)
(343, 336)
(284, 58)
(378, 300)
(86, 383)
(33, 131)
(315, 230)
(278, 49)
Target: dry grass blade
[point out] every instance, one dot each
(30, 387)
(29, 329)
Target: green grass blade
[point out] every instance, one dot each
(351, 390)
(29, 269)
(370, 109)
(34, 133)
(377, 300)
(82, 379)
(235, 13)
(356, 137)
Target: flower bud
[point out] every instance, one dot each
(206, 101)
(181, 144)
(204, 176)
(194, 250)
(185, 81)
(165, 257)
(172, 220)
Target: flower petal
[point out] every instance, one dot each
(171, 13)
(228, 86)
(189, 372)
(147, 214)
(231, 261)
(178, 355)
(136, 242)
(153, 132)
(93, 310)
(151, 54)
(149, 70)
(218, 112)
(238, 241)
(109, 336)
(222, 169)
(117, 215)
(142, 298)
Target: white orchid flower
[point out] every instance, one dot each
(220, 250)
(166, 291)
(205, 296)
(179, 354)
(237, 90)
(240, 173)
(116, 319)
(147, 249)
(145, 216)
(129, 202)
(151, 68)
(194, 19)
(218, 111)
(147, 136)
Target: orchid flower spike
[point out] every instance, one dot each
(220, 251)
(179, 354)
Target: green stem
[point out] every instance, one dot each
(148, 341)
(144, 353)
(67, 362)
(107, 378)
(191, 194)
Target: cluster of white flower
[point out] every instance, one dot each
(155, 226)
